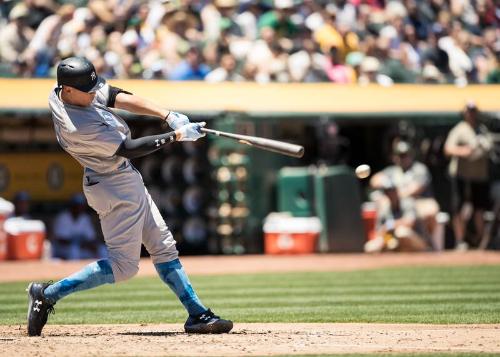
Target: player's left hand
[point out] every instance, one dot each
(190, 132)
(177, 120)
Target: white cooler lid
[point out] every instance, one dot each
(286, 224)
(6, 207)
(19, 225)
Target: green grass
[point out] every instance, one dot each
(396, 295)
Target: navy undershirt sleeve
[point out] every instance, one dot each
(132, 148)
(113, 92)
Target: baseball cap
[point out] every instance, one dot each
(79, 73)
(471, 105)
(402, 148)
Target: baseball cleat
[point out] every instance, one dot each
(38, 308)
(207, 322)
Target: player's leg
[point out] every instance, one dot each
(480, 192)
(124, 246)
(122, 235)
(43, 296)
(458, 194)
(161, 246)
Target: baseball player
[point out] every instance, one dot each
(100, 141)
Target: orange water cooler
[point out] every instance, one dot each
(6, 209)
(3, 240)
(24, 238)
(284, 234)
(369, 212)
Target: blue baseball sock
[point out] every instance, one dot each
(94, 274)
(173, 274)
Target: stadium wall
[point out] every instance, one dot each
(31, 94)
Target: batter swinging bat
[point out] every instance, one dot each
(262, 143)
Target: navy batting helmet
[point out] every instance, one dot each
(79, 73)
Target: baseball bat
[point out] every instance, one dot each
(279, 147)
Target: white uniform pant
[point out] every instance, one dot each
(128, 218)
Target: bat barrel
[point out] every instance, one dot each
(280, 147)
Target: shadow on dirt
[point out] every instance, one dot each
(171, 333)
(151, 333)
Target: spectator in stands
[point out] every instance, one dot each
(279, 19)
(329, 34)
(395, 228)
(221, 15)
(42, 49)
(494, 75)
(308, 63)
(74, 234)
(413, 180)
(468, 145)
(16, 35)
(192, 68)
(336, 70)
(247, 19)
(38, 10)
(431, 75)
(226, 71)
(370, 73)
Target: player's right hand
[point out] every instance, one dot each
(190, 132)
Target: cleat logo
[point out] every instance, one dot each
(157, 141)
(37, 307)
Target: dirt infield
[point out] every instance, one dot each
(249, 340)
(252, 339)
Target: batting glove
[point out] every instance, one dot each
(190, 132)
(176, 120)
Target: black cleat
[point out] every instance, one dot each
(38, 308)
(207, 322)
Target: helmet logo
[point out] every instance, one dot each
(92, 75)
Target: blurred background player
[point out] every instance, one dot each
(413, 181)
(396, 222)
(22, 205)
(74, 235)
(468, 144)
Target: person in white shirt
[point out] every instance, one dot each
(74, 234)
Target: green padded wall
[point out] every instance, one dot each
(296, 191)
(338, 205)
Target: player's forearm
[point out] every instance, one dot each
(132, 148)
(462, 151)
(377, 180)
(138, 105)
(412, 190)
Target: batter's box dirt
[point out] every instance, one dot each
(250, 340)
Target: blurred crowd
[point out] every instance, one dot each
(341, 41)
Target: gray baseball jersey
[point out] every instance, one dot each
(113, 187)
(90, 134)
